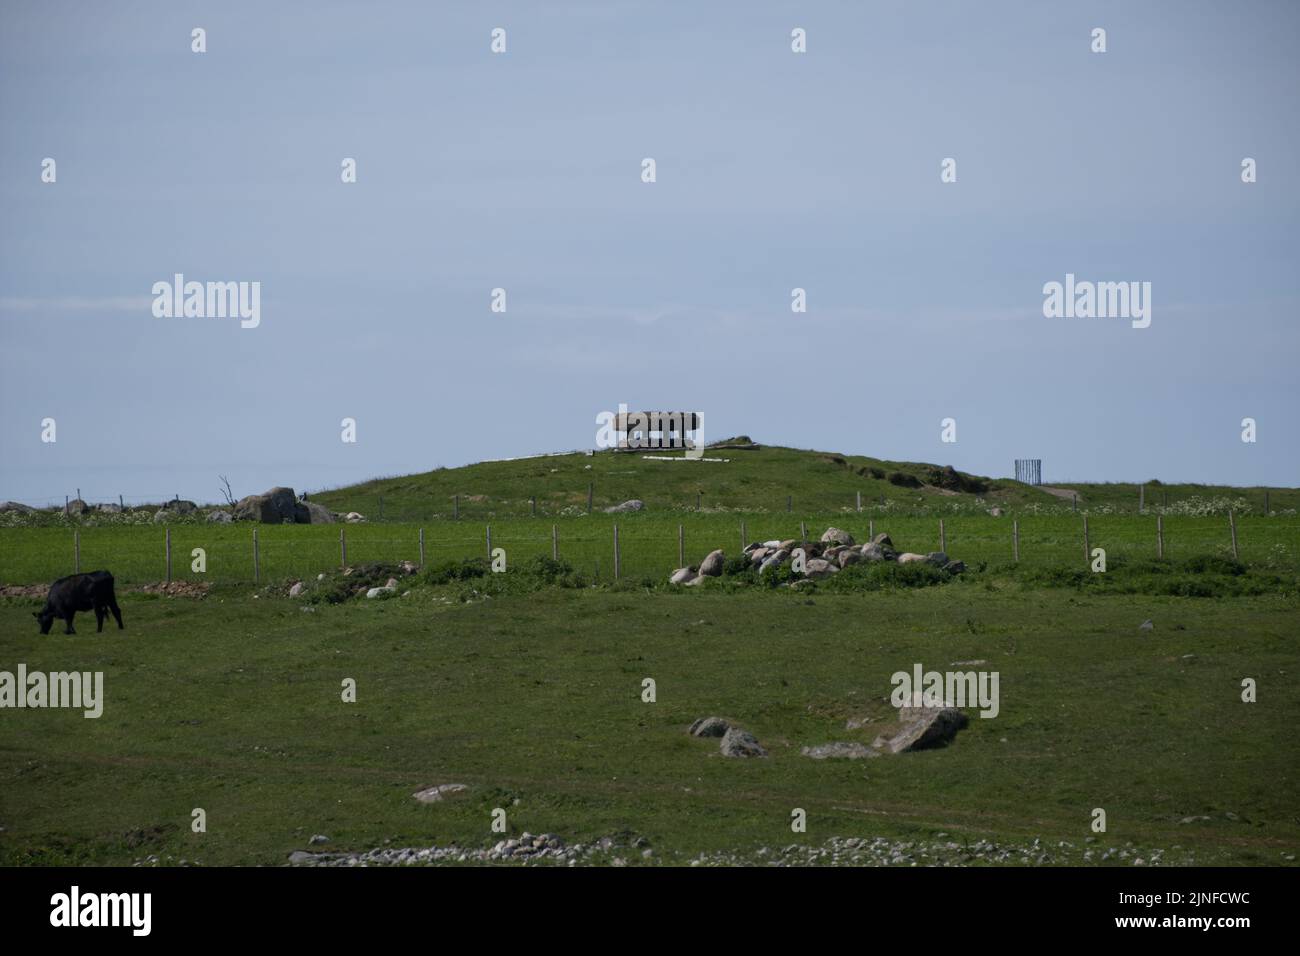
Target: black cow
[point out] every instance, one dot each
(80, 592)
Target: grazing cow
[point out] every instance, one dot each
(79, 592)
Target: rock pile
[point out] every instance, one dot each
(281, 506)
(736, 741)
(835, 551)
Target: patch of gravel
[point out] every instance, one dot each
(837, 851)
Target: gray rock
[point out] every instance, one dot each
(710, 727)
(625, 507)
(774, 560)
(277, 506)
(712, 565)
(682, 576)
(818, 568)
(908, 557)
(17, 506)
(318, 839)
(937, 558)
(378, 592)
(848, 556)
(218, 516)
(840, 750)
(76, 506)
(955, 567)
(836, 536)
(996, 512)
(1146, 626)
(874, 552)
(302, 856)
(107, 508)
(738, 742)
(439, 792)
(296, 589)
(883, 540)
(921, 728)
(309, 512)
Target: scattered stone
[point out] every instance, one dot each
(1146, 626)
(738, 742)
(318, 839)
(439, 792)
(17, 506)
(836, 536)
(353, 518)
(378, 592)
(712, 565)
(840, 750)
(218, 516)
(774, 560)
(818, 568)
(921, 728)
(682, 576)
(625, 507)
(710, 727)
(996, 512)
(296, 589)
(908, 557)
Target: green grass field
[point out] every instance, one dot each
(232, 704)
(531, 694)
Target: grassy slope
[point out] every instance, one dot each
(751, 481)
(232, 704)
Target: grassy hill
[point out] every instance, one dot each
(762, 480)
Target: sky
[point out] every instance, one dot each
(522, 170)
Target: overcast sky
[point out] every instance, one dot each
(522, 171)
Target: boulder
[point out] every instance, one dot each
(955, 567)
(696, 581)
(309, 512)
(818, 568)
(775, 559)
(17, 506)
(907, 557)
(836, 536)
(682, 576)
(883, 541)
(76, 506)
(378, 592)
(296, 589)
(277, 506)
(996, 512)
(353, 518)
(920, 728)
(840, 750)
(937, 558)
(758, 554)
(875, 552)
(738, 742)
(107, 508)
(848, 556)
(787, 545)
(710, 727)
(712, 565)
(217, 516)
(626, 506)
(772, 544)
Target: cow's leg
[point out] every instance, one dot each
(100, 614)
(117, 613)
(67, 616)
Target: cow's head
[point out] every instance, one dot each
(46, 618)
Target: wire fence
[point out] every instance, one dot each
(640, 546)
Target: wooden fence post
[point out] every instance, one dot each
(76, 552)
(555, 543)
(1142, 499)
(1087, 551)
(871, 528)
(421, 547)
(617, 563)
(859, 501)
(257, 559)
(681, 546)
(1232, 526)
(1160, 536)
(943, 539)
(168, 539)
(1074, 501)
(120, 503)
(343, 549)
(1015, 540)
(743, 538)
(803, 534)
(489, 540)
